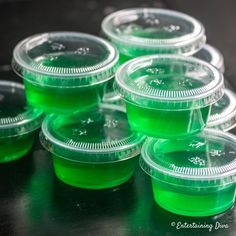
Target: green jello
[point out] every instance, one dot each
(168, 96)
(69, 99)
(95, 149)
(194, 176)
(166, 123)
(13, 148)
(17, 122)
(145, 31)
(94, 176)
(65, 72)
(186, 202)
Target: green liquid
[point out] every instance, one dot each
(94, 176)
(124, 58)
(193, 196)
(58, 99)
(188, 203)
(13, 148)
(166, 123)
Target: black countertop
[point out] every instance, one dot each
(32, 200)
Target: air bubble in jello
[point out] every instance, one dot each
(144, 31)
(17, 122)
(64, 72)
(192, 176)
(168, 96)
(93, 150)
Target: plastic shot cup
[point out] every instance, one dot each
(194, 176)
(144, 31)
(93, 150)
(223, 112)
(168, 96)
(17, 122)
(212, 55)
(64, 72)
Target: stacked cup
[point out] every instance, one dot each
(170, 95)
(169, 98)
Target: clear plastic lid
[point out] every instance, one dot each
(223, 112)
(142, 31)
(211, 55)
(169, 82)
(65, 59)
(16, 118)
(99, 136)
(204, 160)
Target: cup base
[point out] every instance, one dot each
(194, 204)
(94, 176)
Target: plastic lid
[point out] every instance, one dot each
(223, 112)
(15, 117)
(204, 160)
(169, 82)
(98, 136)
(151, 30)
(65, 59)
(211, 55)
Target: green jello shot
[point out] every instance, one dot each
(168, 96)
(64, 72)
(92, 150)
(144, 31)
(212, 55)
(223, 112)
(192, 176)
(17, 122)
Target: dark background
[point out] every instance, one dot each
(32, 201)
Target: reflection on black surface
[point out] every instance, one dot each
(119, 200)
(14, 176)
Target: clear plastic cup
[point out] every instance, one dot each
(93, 150)
(193, 176)
(212, 55)
(223, 112)
(168, 96)
(17, 122)
(64, 72)
(144, 31)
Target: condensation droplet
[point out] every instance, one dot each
(216, 153)
(57, 46)
(87, 121)
(82, 51)
(155, 71)
(111, 124)
(171, 28)
(197, 161)
(186, 83)
(52, 58)
(196, 144)
(157, 82)
(79, 132)
(152, 21)
(128, 29)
